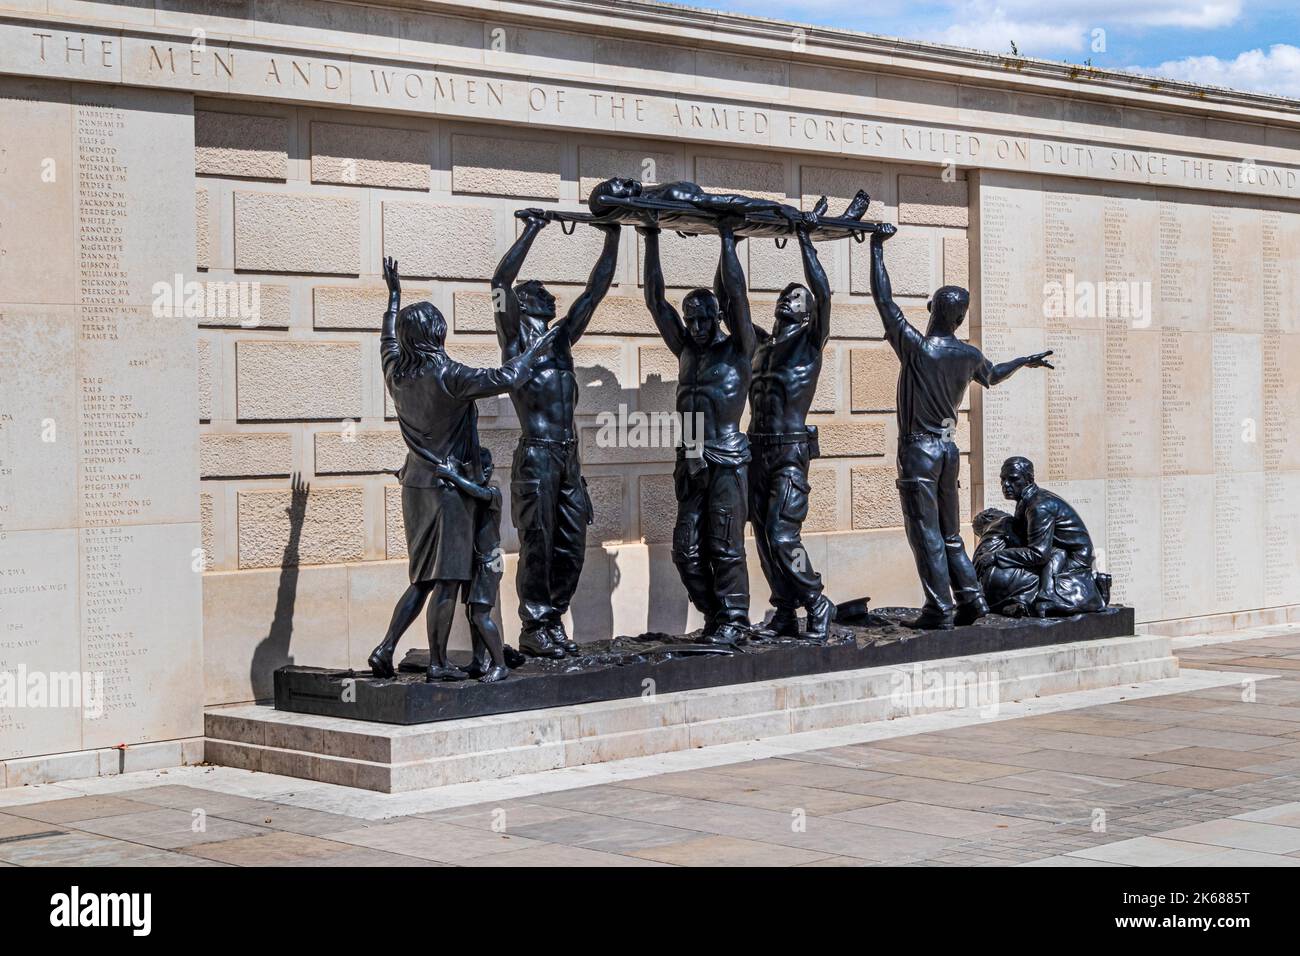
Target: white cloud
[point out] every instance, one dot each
(1202, 14)
(1031, 38)
(1038, 27)
(848, 14)
(1066, 26)
(1194, 14)
(1274, 71)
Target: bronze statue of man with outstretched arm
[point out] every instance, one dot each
(937, 367)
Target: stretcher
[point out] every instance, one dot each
(688, 220)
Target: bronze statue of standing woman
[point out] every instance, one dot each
(435, 400)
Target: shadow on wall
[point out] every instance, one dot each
(272, 651)
(670, 607)
(593, 604)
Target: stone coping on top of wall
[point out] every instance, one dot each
(427, 63)
(468, 30)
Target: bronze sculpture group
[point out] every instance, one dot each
(1038, 561)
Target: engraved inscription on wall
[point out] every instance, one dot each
(98, 447)
(1180, 348)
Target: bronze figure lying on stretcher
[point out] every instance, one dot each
(687, 208)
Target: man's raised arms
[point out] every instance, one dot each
(736, 313)
(665, 316)
(819, 313)
(989, 374)
(598, 283)
(388, 347)
(898, 331)
(505, 304)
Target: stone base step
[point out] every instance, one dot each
(100, 762)
(395, 759)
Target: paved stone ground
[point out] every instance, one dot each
(1206, 777)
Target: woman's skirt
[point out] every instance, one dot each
(439, 534)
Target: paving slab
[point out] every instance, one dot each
(952, 768)
(730, 851)
(502, 817)
(607, 834)
(1214, 757)
(74, 848)
(72, 809)
(552, 856)
(431, 840)
(927, 818)
(276, 816)
(12, 827)
(1203, 778)
(1242, 858)
(1241, 835)
(1068, 861)
(1286, 814)
(1146, 851)
(168, 829)
(298, 849)
(1122, 768)
(782, 771)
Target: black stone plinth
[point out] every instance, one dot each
(618, 668)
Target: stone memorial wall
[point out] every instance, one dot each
(1175, 320)
(100, 593)
(267, 153)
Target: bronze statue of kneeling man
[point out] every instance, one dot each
(1008, 590)
(435, 400)
(1041, 561)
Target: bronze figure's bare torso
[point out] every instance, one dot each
(714, 369)
(549, 503)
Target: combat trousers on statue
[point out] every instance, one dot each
(778, 505)
(551, 509)
(709, 538)
(927, 486)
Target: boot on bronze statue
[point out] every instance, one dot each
(560, 638)
(970, 611)
(442, 672)
(482, 669)
(537, 643)
(784, 623)
(820, 614)
(728, 633)
(381, 661)
(932, 619)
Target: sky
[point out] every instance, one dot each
(1249, 45)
